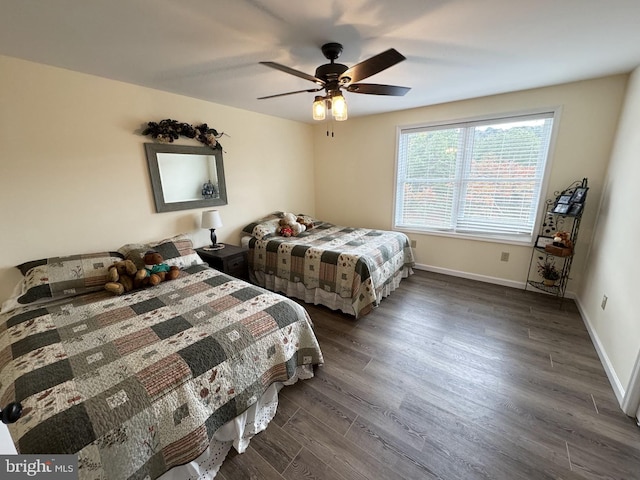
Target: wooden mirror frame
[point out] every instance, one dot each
(153, 149)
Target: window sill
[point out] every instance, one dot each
(524, 242)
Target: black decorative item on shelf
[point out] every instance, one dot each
(554, 247)
(571, 200)
(11, 413)
(168, 130)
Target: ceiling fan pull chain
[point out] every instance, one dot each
(330, 127)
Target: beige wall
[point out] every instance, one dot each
(73, 172)
(614, 260)
(354, 170)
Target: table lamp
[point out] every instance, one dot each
(211, 220)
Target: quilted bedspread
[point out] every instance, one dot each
(139, 383)
(354, 263)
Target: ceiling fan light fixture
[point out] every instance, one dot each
(319, 108)
(332, 77)
(339, 107)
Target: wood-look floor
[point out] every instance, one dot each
(450, 379)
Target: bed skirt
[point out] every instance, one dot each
(237, 433)
(318, 296)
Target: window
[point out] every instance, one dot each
(479, 179)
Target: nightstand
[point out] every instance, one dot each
(231, 260)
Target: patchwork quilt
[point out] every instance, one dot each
(139, 383)
(354, 263)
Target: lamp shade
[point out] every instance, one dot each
(339, 107)
(319, 108)
(211, 219)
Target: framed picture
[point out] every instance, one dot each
(564, 199)
(561, 208)
(575, 209)
(579, 194)
(543, 241)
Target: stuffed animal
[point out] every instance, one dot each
(306, 221)
(562, 239)
(289, 227)
(121, 276)
(285, 231)
(155, 270)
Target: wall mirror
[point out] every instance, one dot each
(185, 177)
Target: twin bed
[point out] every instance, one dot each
(161, 382)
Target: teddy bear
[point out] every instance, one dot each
(284, 231)
(121, 277)
(562, 239)
(155, 270)
(306, 221)
(289, 226)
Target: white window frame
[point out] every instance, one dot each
(495, 117)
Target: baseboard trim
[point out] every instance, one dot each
(618, 389)
(471, 276)
(482, 278)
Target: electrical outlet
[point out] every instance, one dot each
(604, 301)
(413, 244)
(504, 257)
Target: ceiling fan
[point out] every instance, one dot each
(333, 77)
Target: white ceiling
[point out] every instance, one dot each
(210, 49)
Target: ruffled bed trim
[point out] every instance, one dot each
(237, 432)
(318, 296)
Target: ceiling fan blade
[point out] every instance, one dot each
(292, 71)
(376, 89)
(373, 65)
(291, 93)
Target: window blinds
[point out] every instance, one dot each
(480, 178)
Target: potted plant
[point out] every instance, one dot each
(548, 272)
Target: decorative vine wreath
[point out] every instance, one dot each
(168, 130)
